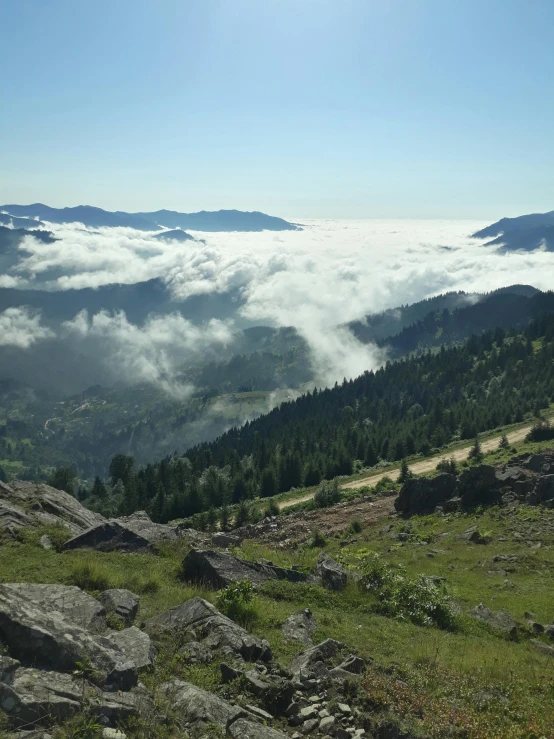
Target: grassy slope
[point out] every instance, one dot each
(439, 668)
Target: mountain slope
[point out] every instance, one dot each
(221, 220)
(524, 233)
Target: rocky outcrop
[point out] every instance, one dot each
(196, 707)
(211, 628)
(37, 635)
(478, 486)
(333, 576)
(34, 504)
(33, 696)
(219, 569)
(322, 652)
(121, 604)
(300, 627)
(223, 540)
(423, 494)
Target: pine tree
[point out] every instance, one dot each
(370, 458)
(503, 443)
(476, 452)
(243, 515)
(405, 472)
(99, 489)
(224, 517)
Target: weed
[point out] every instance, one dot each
(318, 541)
(90, 576)
(355, 527)
(236, 602)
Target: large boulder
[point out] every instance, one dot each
(141, 523)
(121, 604)
(109, 536)
(244, 729)
(333, 576)
(478, 486)
(75, 605)
(211, 628)
(424, 494)
(40, 636)
(34, 504)
(501, 620)
(219, 569)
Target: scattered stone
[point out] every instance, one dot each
(120, 603)
(300, 627)
(109, 733)
(326, 724)
(45, 542)
(549, 631)
(228, 673)
(219, 569)
(353, 664)
(535, 627)
(259, 713)
(308, 712)
(244, 729)
(476, 538)
(212, 628)
(196, 706)
(309, 726)
(320, 653)
(344, 708)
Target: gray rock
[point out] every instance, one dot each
(310, 725)
(195, 653)
(30, 504)
(8, 666)
(68, 600)
(39, 696)
(228, 673)
(223, 540)
(535, 627)
(355, 665)
(197, 707)
(136, 646)
(333, 576)
(300, 627)
(501, 620)
(120, 603)
(326, 724)
(424, 494)
(308, 712)
(214, 629)
(259, 713)
(549, 631)
(142, 525)
(45, 542)
(542, 647)
(219, 569)
(40, 636)
(320, 653)
(244, 729)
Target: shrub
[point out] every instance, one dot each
(409, 599)
(327, 494)
(318, 540)
(503, 443)
(355, 527)
(236, 602)
(476, 452)
(447, 465)
(405, 472)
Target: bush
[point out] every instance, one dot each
(236, 602)
(409, 599)
(327, 494)
(447, 465)
(318, 540)
(355, 527)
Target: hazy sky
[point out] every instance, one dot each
(301, 108)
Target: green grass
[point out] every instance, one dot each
(443, 667)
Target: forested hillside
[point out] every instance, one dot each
(407, 407)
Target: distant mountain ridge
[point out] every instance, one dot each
(524, 233)
(221, 220)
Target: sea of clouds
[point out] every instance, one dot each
(315, 279)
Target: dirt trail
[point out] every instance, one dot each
(426, 465)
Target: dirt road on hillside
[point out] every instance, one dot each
(426, 465)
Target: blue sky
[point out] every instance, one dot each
(301, 108)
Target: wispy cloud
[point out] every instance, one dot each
(22, 328)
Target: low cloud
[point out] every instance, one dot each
(21, 327)
(153, 352)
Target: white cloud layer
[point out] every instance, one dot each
(327, 274)
(22, 328)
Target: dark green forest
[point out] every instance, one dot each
(411, 406)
